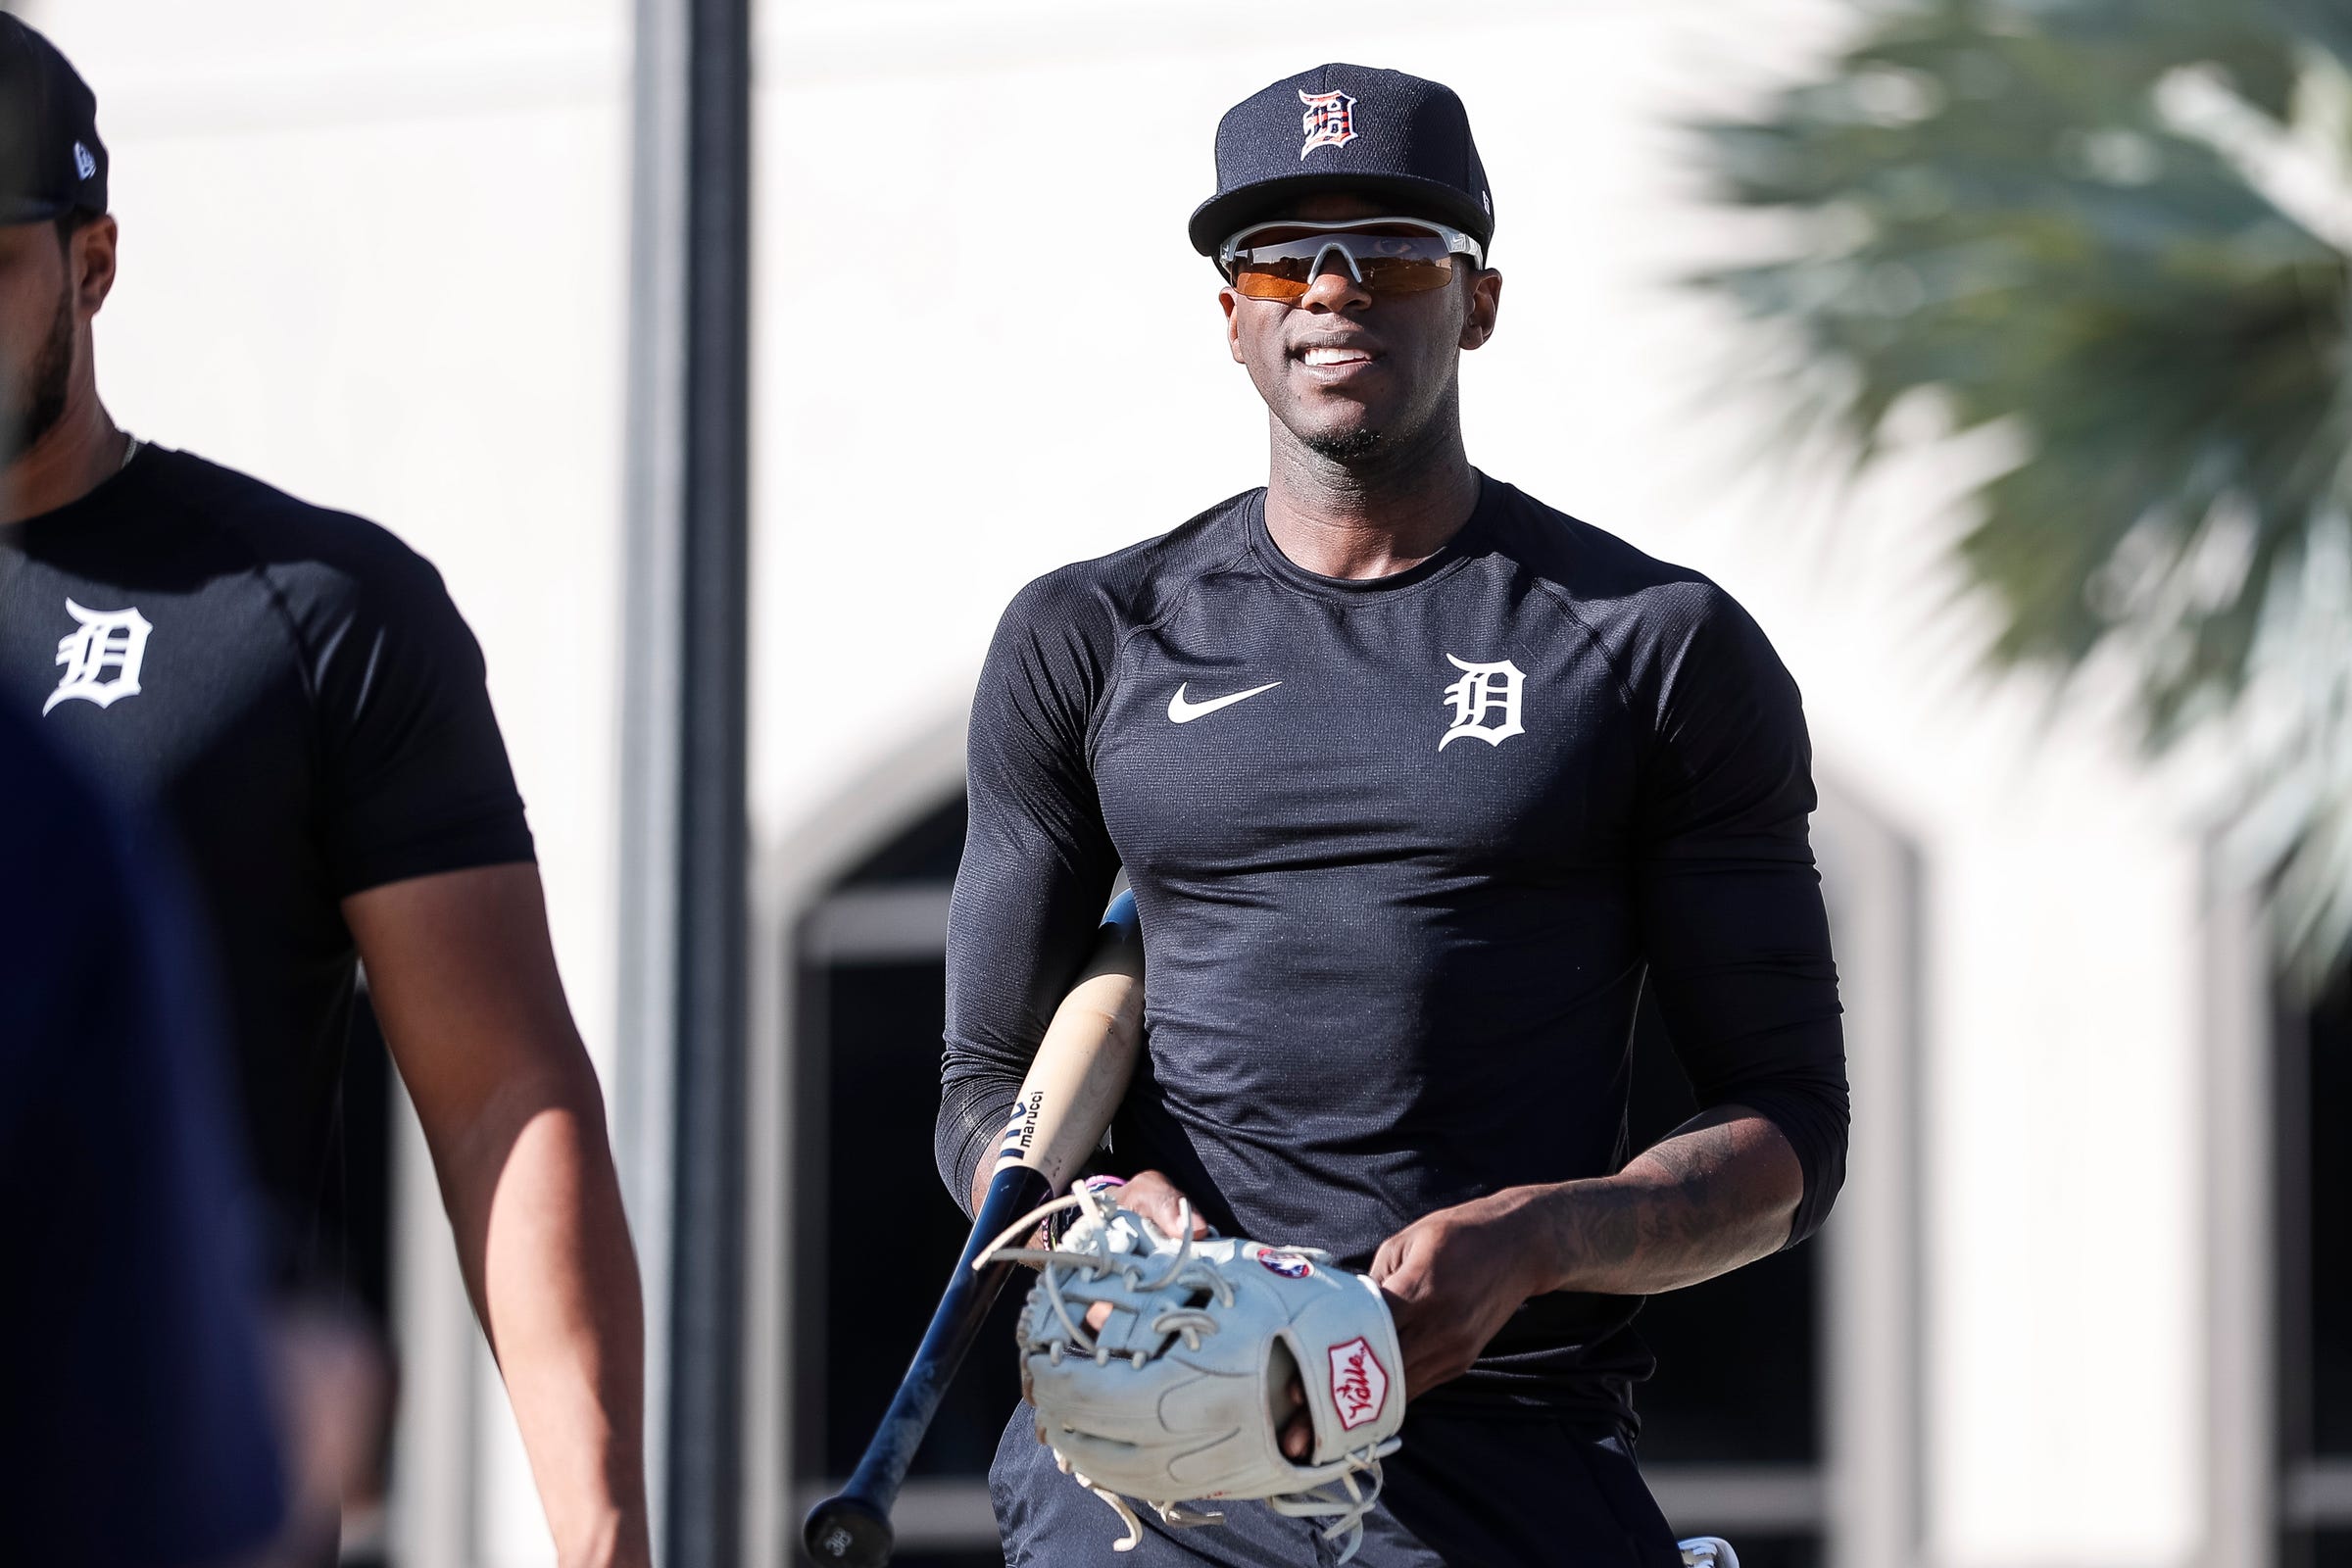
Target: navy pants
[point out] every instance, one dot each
(1513, 1489)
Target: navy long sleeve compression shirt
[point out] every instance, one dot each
(1404, 851)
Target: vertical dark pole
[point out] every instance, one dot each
(704, 1458)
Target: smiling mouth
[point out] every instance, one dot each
(1324, 355)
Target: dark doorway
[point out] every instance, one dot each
(2315, 1283)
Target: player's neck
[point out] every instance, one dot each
(73, 457)
(1371, 517)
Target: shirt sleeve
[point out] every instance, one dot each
(1729, 901)
(1038, 861)
(416, 779)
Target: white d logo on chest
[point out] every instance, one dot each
(110, 641)
(1485, 701)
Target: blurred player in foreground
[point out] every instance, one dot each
(1418, 782)
(292, 693)
(135, 1423)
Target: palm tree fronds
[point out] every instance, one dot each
(2070, 217)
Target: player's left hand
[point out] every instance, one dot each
(1453, 1278)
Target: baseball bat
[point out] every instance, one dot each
(1075, 1083)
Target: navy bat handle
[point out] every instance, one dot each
(852, 1528)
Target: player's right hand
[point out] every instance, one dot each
(1155, 1197)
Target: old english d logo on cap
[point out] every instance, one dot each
(1330, 119)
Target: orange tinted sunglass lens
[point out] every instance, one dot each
(1404, 274)
(1270, 281)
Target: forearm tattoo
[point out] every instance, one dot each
(1718, 1192)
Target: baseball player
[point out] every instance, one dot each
(292, 696)
(1418, 782)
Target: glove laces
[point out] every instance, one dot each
(1343, 1502)
(1182, 1269)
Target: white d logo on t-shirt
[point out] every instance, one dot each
(109, 640)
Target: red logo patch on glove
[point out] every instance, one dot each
(1360, 1383)
(1289, 1265)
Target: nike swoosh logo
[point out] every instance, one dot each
(1184, 713)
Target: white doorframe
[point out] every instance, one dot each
(2240, 1221)
(1873, 1357)
(788, 880)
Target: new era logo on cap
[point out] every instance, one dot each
(85, 163)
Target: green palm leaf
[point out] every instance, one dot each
(2010, 204)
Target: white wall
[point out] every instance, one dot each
(375, 254)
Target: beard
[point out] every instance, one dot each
(1346, 447)
(47, 382)
(1399, 446)
(1400, 442)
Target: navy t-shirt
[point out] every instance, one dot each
(1405, 851)
(134, 1417)
(289, 694)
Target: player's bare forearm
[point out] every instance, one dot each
(464, 982)
(1718, 1192)
(536, 1209)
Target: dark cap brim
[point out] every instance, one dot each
(1233, 211)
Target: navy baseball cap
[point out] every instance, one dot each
(1346, 129)
(51, 160)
